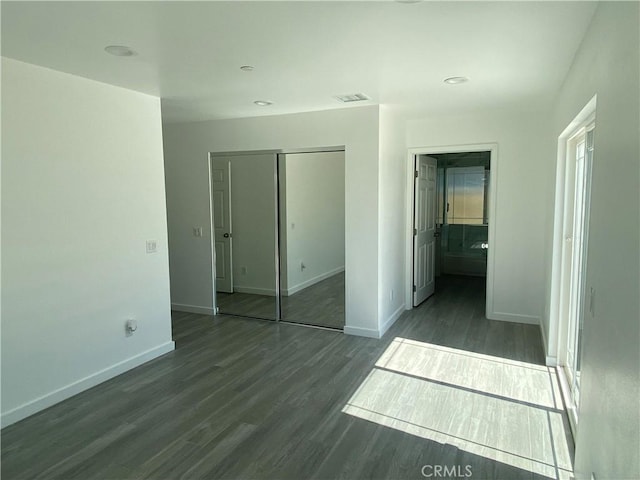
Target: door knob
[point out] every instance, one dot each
(227, 235)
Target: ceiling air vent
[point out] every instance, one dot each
(353, 97)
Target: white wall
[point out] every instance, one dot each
(253, 217)
(186, 147)
(82, 191)
(313, 218)
(607, 64)
(525, 180)
(392, 205)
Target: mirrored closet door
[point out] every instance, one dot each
(312, 238)
(279, 236)
(244, 203)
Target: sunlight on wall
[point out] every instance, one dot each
(500, 409)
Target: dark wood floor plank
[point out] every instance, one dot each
(321, 304)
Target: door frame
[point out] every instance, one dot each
(556, 325)
(555, 344)
(491, 213)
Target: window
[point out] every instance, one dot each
(466, 195)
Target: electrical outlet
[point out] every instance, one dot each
(243, 270)
(302, 266)
(197, 231)
(130, 327)
(152, 246)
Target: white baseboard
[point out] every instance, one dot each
(514, 317)
(312, 281)
(179, 307)
(362, 332)
(550, 360)
(391, 320)
(50, 399)
(544, 338)
(270, 292)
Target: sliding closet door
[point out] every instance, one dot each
(312, 238)
(252, 236)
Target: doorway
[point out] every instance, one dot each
(451, 201)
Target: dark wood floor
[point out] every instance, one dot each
(247, 305)
(321, 304)
(250, 399)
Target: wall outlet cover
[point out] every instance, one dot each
(152, 246)
(130, 326)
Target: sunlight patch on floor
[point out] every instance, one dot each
(521, 381)
(500, 409)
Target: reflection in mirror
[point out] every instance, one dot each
(312, 238)
(244, 216)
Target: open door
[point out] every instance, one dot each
(424, 228)
(221, 181)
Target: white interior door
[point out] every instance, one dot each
(221, 181)
(424, 224)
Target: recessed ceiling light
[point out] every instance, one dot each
(353, 97)
(408, 1)
(456, 80)
(263, 103)
(119, 51)
(247, 68)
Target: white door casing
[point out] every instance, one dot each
(221, 201)
(424, 224)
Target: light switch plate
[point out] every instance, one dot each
(152, 246)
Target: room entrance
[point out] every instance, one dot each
(452, 203)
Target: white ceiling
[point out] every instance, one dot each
(516, 54)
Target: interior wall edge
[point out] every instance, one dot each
(550, 360)
(392, 319)
(362, 332)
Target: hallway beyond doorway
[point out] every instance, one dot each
(455, 317)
